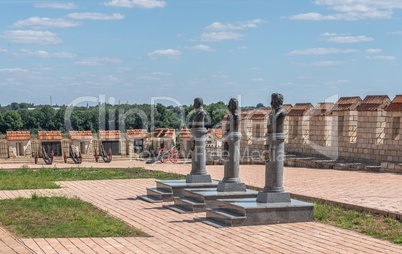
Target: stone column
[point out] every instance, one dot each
(273, 191)
(198, 172)
(231, 180)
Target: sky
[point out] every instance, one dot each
(172, 51)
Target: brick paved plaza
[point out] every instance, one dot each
(179, 233)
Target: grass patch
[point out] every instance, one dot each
(41, 217)
(44, 178)
(373, 225)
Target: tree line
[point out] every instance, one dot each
(24, 116)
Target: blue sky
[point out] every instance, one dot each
(138, 51)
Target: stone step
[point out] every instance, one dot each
(188, 205)
(160, 185)
(193, 195)
(159, 195)
(225, 217)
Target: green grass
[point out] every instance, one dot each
(25, 178)
(41, 217)
(373, 225)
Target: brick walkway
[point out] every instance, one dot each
(368, 189)
(179, 233)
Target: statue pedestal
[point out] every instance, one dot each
(273, 191)
(231, 180)
(198, 172)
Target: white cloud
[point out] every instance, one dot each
(202, 47)
(321, 51)
(12, 70)
(326, 63)
(3, 49)
(31, 37)
(385, 58)
(43, 54)
(93, 61)
(165, 52)
(66, 6)
(217, 26)
(352, 10)
(95, 16)
(395, 33)
(331, 37)
(218, 31)
(221, 36)
(304, 77)
(146, 4)
(373, 51)
(311, 16)
(258, 80)
(149, 78)
(38, 22)
(25, 71)
(220, 76)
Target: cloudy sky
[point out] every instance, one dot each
(138, 51)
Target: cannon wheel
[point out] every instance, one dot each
(65, 157)
(109, 154)
(173, 155)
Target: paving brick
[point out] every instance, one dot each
(178, 233)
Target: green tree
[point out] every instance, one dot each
(215, 114)
(47, 118)
(29, 119)
(10, 121)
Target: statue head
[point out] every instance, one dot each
(233, 105)
(198, 103)
(276, 100)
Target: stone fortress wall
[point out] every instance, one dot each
(351, 129)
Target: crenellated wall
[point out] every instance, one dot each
(351, 129)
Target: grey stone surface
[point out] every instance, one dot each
(229, 187)
(198, 200)
(198, 172)
(231, 180)
(271, 197)
(166, 190)
(246, 211)
(273, 190)
(198, 178)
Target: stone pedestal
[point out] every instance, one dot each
(198, 172)
(273, 191)
(231, 180)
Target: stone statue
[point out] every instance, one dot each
(273, 191)
(234, 118)
(277, 116)
(198, 172)
(233, 122)
(198, 120)
(231, 180)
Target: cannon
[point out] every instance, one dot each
(77, 159)
(47, 158)
(107, 157)
(163, 155)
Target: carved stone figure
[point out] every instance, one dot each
(273, 191)
(234, 117)
(231, 180)
(277, 116)
(198, 120)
